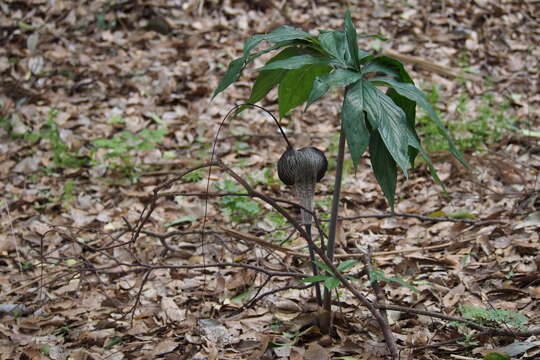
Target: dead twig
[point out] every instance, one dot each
(430, 66)
(424, 218)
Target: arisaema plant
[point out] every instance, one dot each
(378, 112)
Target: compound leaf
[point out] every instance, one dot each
(296, 85)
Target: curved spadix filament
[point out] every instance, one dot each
(236, 107)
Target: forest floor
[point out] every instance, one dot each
(102, 101)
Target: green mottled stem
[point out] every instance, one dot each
(304, 191)
(334, 213)
(314, 267)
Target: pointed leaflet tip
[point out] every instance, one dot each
(350, 34)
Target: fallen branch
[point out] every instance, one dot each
(430, 66)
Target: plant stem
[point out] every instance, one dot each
(334, 213)
(313, 266)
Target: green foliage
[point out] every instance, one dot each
(45, 349)
(240, 298)
(309, 65)
(291, 338)
(26, 265)
(329, 279)
(194, 176)
(468, 340)
(379, 275)
(68, 193)
(496, 356)
(63, 156)
(477, 126)
(181, 220)
(348, 164)
(276, 219)
(331, 282)
(5, 123)
(114, 341)
(238, 208)
(493, 316)
(120, 146)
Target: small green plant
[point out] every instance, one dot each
(488, 123)
(238, 208)
(468, 340)
(120, 147)
(63, 331)
(194, 176)
(276, 324)
(264, 177)
(291, 338)
(63, 156)
(379, 276)
(46, 349)
(329, 280)
(493, 316)
(114, 341)
(68, 193)
(5, 123)
(276, 219)
(348, 166)
(26, 265)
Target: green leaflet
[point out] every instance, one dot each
(347, 264)
(354, 124)
(296, 85)
(412, 92)
(383, 114)
(282, 33)
(295, 62)
(384, 167)
(267, 79)
(331, 283)
(409, 108)
(335, 43)
(322, 84)
(352, 44)
(231, 75)
(237, 65)
(388, 66)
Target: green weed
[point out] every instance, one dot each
(194, 176)
(237, 208)
(479, 124)
(68, 193)
(63, 156)
(120, 147)
(493, 316)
